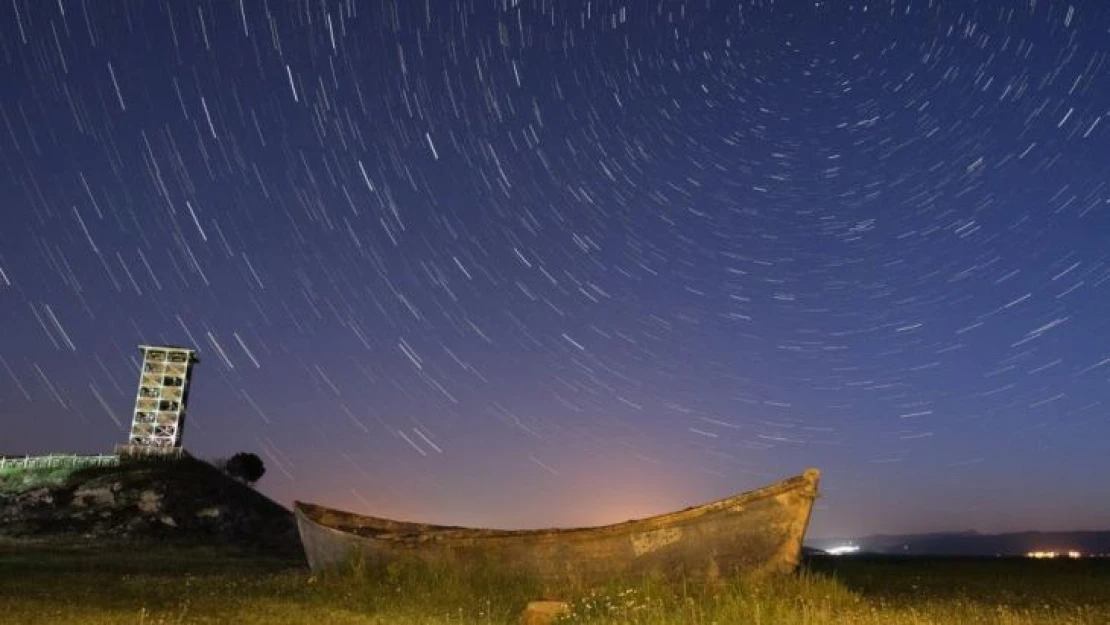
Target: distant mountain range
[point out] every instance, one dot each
(975, 544)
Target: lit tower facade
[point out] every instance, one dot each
(159, 419)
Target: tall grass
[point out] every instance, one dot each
(16, 479)
(83, 587)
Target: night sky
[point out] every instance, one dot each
(528, 263)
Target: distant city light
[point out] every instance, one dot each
(842, 550)
(1042, 555)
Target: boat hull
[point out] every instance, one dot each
(758, 532)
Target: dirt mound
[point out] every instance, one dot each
(186, 500)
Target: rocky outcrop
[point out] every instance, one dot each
(186, 499)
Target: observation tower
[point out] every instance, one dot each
(159, 419)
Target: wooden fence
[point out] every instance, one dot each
(58, 461)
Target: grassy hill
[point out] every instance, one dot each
(185, 501)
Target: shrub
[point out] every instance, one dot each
(245, 467)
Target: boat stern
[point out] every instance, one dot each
(324, 547)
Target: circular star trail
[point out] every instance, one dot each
(526, 263)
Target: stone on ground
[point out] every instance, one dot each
(543, 612)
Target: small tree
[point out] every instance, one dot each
(245, 467)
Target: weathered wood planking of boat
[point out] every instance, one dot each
(754, 532)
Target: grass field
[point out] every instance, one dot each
(59, 585)
(15, 479)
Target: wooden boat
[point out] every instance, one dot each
(758, 532)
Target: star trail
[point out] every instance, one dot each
(525, 263)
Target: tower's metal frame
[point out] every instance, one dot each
(159, 419)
